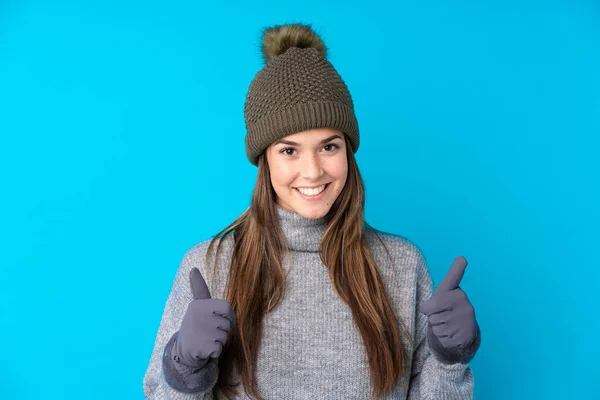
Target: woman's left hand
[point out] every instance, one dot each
(453, 332)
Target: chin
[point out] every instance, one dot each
(312, 213)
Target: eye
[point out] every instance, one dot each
(335, 147)
(287, 151)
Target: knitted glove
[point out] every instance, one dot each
(453, 332)
(205, 326)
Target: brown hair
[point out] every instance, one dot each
(259, 286)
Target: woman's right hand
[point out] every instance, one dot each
(205, 325)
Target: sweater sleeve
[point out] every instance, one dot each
(165, 378)
(430, 378)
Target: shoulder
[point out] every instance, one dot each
(395, 247)
(214, 273)
(398, 258)
(196, 255)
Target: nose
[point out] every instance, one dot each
(310, 168)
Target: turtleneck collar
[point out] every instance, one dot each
(302, 234)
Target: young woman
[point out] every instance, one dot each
(300, 298)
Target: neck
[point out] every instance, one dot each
(302, 234)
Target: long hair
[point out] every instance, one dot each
(256, 282)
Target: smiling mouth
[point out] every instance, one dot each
(313, 192)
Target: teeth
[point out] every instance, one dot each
(311, 192)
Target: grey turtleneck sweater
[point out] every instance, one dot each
(310, 347)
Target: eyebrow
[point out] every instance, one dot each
(290, 143)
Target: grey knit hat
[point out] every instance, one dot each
(297, 90)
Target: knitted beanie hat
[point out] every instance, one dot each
(296, 90)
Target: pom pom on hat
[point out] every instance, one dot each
(278, 39)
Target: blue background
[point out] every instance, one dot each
(121, 146)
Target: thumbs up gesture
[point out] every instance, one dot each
(205, 325)
(453, 332)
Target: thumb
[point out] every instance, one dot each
(199, 288)
(454, 276)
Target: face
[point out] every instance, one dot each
(308, 170)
